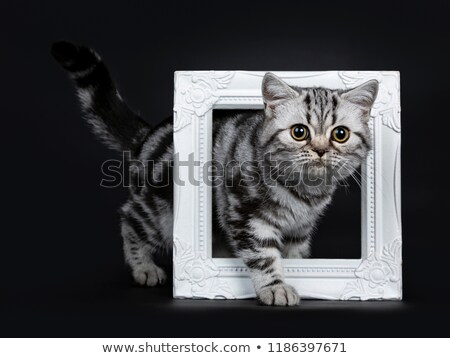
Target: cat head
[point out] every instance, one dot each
(322, 133)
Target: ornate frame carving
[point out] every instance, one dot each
(377, 275)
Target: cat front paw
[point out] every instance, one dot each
(279, 295)
(149, 275)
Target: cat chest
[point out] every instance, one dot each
(295, 219)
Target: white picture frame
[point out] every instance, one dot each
(377, 275)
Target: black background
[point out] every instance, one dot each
(61, 266)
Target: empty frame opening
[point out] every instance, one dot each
(338, 233)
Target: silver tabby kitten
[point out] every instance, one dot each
(289, 157)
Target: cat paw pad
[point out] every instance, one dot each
(151, 275)
(279, 295)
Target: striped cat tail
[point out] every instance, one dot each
(103, 107)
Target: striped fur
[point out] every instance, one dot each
(268, 208)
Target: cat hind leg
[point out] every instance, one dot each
(138, 250)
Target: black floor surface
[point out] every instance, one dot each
(115, 308)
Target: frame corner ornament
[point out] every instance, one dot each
(387, 105)
(375, 273)
(199, 273)
(196, 93)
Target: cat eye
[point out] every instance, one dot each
(299, 132)
(340, 134)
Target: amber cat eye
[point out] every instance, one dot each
(340, 134)
(299, 132)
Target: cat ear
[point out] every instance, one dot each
(275, 90)
(364, 95)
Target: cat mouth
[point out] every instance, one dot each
(319, 168)
(318, 163)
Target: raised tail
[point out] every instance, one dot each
(111, 119)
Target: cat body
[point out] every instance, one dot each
(286, 163)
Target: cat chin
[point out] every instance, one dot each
(319, 176)
(318, 170)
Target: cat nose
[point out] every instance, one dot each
(320, 152)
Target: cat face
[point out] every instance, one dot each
(321, 133)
